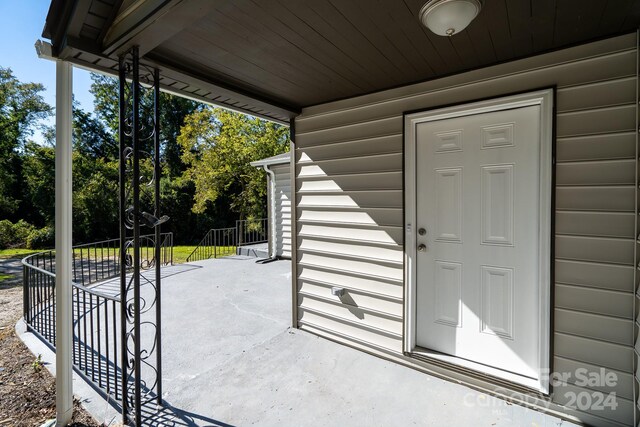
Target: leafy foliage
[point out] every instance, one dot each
(217, 147)
(21, 108)
(39, 182)
(91, 138)
(173, 111)
(95, 198)
(207, 181)
(24, 234)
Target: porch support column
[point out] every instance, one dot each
(64, 332)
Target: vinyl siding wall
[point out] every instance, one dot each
(282, 209)
(349, 210)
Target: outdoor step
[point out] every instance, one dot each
(257, 251)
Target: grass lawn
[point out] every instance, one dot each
(17, 253)
(4, 277)
(180, 253)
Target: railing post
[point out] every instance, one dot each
(134, 131)
(25, 294)
(156, 165)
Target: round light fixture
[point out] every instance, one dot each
(449, 17)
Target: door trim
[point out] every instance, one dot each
(543, 98)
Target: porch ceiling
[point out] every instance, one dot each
(271, 58)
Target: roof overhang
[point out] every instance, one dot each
(280, 159)
(271, 59)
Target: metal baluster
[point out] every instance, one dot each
(25, 294)
(115, 348)
(54, 307)
(84, 335)
(39, 285)
(98, 303)
(78, 320)
(82, 266)
(73, 267)
(74, 302)
(102, 259)
(92, 332)
(106, 341)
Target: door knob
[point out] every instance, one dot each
(422, 248)
(422, 231)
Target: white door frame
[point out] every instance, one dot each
(543, 98)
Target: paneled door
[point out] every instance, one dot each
(477, 230)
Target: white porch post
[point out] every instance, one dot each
(64, 337)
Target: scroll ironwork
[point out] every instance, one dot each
(140, 286)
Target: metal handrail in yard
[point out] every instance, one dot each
(96, 312)
(98, 261)
(252, 231)
(221, 242)
(218, 242)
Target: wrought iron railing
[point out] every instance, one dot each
(97, 342)
(95, 262)
(96, 338)
(221, 242)
(252, 231)
(218, 242)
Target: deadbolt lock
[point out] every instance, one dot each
(422, 248)
(422, 231)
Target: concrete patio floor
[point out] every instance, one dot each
(230, 358)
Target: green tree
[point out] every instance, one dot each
(39, 182)
(95, 198)
(21, 110)
(105, 92)
(173, 111)
(95, 179)
(217, 147)
(91, 137)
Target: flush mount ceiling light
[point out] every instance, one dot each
(449, 17)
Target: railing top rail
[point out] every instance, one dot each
(116, 240)
(213, 233)
(25, 262)
(28, 262)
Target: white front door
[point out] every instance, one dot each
(477, 233)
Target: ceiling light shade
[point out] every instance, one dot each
(449, 17)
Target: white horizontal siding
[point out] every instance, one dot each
(282, 209)
(349, 205)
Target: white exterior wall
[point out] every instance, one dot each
(349, 213)
(282, 206)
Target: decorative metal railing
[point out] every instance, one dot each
(221, 242)
(252, 231)
(94, 262)
(218, 242)
(97, 343)
(139, 172)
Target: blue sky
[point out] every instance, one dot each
(21, 24)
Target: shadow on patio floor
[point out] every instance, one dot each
(170, 416)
